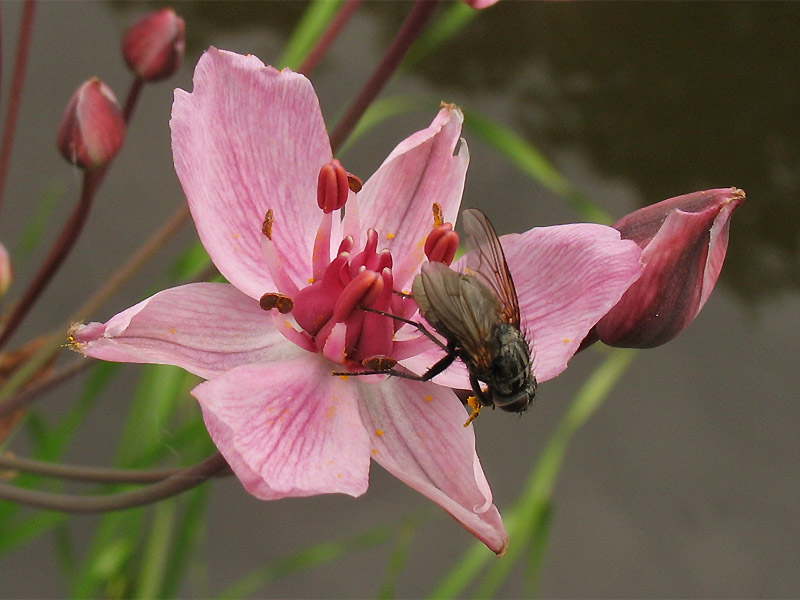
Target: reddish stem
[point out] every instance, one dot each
(133, 96)
(410, 30)
(15, 97)
(331, 33)
(59, 251)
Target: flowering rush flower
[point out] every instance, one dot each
(253, 156)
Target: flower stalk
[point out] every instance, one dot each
(411, 29)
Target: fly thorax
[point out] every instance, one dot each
(511, 367)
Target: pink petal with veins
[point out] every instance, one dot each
(246, 139)
(288, 429)
(567, 277)
(398, 199)
(205, 328)
(423, 442)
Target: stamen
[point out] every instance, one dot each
(274, 261)
(333, 186)
(438, 218)
(365, 288)
(282, 302)
(442, 244)
(354, 182)
(266, 226)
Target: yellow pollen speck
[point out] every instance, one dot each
(329, 414)
(379, 432)
(375, 451)
(310, 280)
(428, 398)
(339, 475)
(390, 236)
(172, 330)
(567, 340)
(345, 377)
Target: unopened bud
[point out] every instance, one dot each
(684, 242)
(6, 271)
(92, 129)
(154, 45)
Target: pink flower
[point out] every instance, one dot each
(684, 241)
(252, 153)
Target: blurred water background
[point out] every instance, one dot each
(686, 483)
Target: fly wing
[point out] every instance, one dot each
(459, 307)
(487, 262)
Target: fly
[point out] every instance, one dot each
(477, 312)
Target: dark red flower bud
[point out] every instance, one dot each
(154, 45)
(684, 241)
(92, 129)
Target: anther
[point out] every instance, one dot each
(442, 244)
(354, 182)
(333, 186)
(438, 218)
(266, 226)
(283, 303)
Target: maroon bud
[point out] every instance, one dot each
(92, 129)
(684, 241)
(154, 45)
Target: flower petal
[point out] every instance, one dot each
(246, 139)
(567, 277)
(205, 328)
(429, 166)
(288, 428)
(422, 441)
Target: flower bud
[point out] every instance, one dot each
(6, 271)
(92, 129)
(684, 241)
(154, 45)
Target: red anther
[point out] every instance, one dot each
(363, 290)
(266, 226)
(282, 302)
(332, 187)
(442, 244)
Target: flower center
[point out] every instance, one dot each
(342, 313)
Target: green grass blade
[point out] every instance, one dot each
(152, 572)
(397, 562)
(531, 510)
(531, 161)
(308, 30)
(457, 16)
(380, 111)
(528, 521)
(305, 559)
(189, 532)
(35, 228)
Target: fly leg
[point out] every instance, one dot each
(420, 327)
(384, 365)
(476, 402)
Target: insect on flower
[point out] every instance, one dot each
(477, 312)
